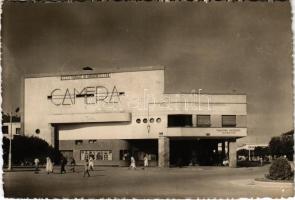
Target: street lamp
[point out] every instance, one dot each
(10, 142)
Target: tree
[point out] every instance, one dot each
(280, 169)
(287, 146)
(282, 145)
(275, 146)
(262, 151)
(243, 152)
(28, 148)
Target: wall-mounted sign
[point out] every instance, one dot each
(225, 131)
(91, 95)
(84, 76)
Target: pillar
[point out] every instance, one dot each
(163, 151)
(52, 136)
(223, 149)
(194, 120)
(232, 153)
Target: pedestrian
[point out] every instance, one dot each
(132, 163)
(62, 165)
(86, 168)
(145, 161)
(36, 161)
(261, 161)
(73, 164)
(49, 165)
(91, 163)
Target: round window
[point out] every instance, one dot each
(158, 120)
(138, 121)
(37, 131)
(152, 120)
(144, 120)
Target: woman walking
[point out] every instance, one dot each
(145, 161)
(49, 165)
(132, 163)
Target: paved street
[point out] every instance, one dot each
(150, 183)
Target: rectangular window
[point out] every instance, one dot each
(5, 129)
(96, 155)
(78, 142)
(91, 141)
(17, 131)
(203, 121)
(179, 120)
(229, 121)
(124, 155)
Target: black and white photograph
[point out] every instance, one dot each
(147, 99)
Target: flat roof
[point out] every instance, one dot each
(96, 71)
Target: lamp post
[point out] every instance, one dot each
(10, 142)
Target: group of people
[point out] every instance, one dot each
(88, 166)
(50, 164)
(145, 162)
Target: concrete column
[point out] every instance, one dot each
(163, 151)
(52, 130)
(194, 120)
(223, 149)
(233, 153)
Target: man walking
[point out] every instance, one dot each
(36, 161)
(73, 164)
(91, 163)
(86, 168)
(62, 165)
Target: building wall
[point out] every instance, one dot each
(115, 116)
(40, 111)
(105, 145)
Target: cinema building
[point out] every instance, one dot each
(111, 116)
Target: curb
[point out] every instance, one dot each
(274, 183)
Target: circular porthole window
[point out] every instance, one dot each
(158, 120)
(138, 121)
(144, 120)
(37, 131)
(152, 120)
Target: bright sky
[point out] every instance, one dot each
(219, 47)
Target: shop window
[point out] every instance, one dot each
(229, 121)
(145, 120)
(5, 129)
(203, 121)
(179, 120)
(158, 120)
(96, 155)
(152, 120)
(91, 141)
(138, 121)
(124, 155)
(78, 142)
(17, 131)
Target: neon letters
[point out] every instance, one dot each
(91, 95)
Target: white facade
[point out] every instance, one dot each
(143, 97)
(110, 106)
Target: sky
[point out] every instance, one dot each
(219, 47)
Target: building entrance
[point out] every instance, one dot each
(139, 148)
(185, 152)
